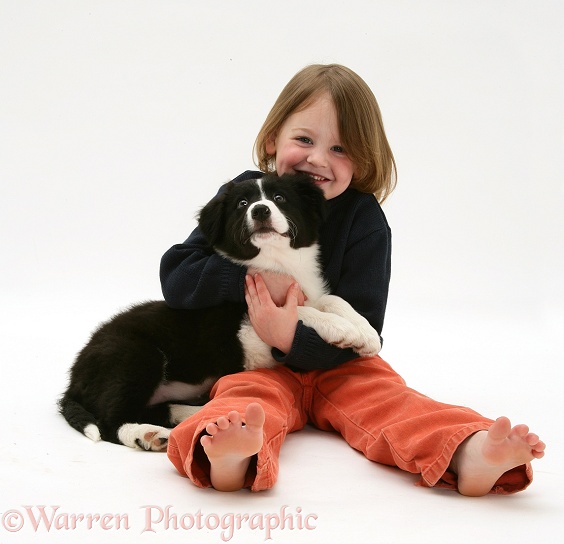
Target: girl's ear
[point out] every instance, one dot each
(270, 145)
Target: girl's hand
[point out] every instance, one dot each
(275, 325)
(278, 285)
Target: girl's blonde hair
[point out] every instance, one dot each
(360, 124)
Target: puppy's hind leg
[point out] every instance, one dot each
(149, 437)
(181, 412)
(144, 436)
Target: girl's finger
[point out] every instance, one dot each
(250, 286)
(262, 290)
(292, 300)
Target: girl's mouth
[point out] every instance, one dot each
(315, 178)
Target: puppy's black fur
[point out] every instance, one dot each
(117, 373)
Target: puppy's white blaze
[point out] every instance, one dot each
(91, 431)
(259, 185)
(278, 219)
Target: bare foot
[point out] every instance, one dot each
(483, 457)
(231, 446)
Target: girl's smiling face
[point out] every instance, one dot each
(309, 142)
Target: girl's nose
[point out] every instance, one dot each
(317, 158)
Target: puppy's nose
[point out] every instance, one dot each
(260, 212)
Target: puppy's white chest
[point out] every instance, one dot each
(300, 263)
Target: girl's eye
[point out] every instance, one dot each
(279, 198)
(338, 149)
(304, 139)
(242, 203)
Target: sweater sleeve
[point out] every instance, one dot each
(194, 276)
(356, 250)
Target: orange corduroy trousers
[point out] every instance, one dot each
(364, 400)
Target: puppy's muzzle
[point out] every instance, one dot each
(263, 219)
(261, 213)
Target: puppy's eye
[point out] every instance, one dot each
(279, 198)
(242, 203)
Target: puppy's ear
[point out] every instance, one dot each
(211, 216)
(311, 194)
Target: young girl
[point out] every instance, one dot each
(326, 122)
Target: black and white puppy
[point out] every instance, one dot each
(140, 370)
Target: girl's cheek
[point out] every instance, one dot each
(291, 156)
(281, 164)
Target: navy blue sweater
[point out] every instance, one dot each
(355, 245)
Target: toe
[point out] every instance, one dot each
(234, 417)
(212, 429)
(500, 429)
(521, 430)
(254, 415)
(223, 423)
(540, 446)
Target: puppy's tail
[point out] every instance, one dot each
(79, 418)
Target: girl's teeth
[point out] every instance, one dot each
(314, 177)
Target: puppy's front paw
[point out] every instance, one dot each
(369, 347)
(364, 345)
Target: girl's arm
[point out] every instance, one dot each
(359, 272)
(194, 276)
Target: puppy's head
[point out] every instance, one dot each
(251, 214)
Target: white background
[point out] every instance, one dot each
(118, 120)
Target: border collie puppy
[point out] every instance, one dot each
(140, 370)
